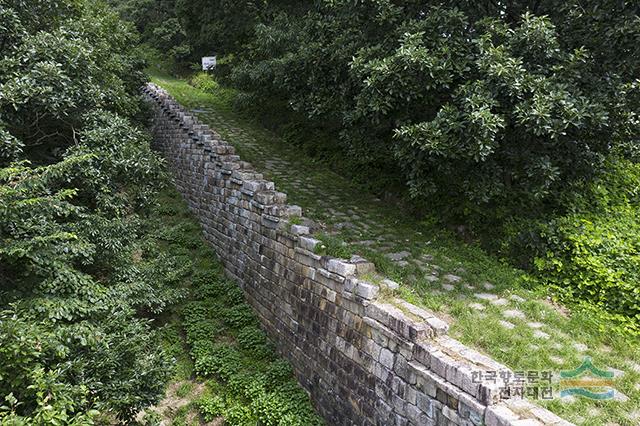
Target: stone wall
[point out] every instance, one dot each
(365, 356)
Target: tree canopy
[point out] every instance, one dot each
(78, 289)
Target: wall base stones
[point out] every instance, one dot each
(364, 356)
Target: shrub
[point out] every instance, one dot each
(222, 362)
(593, 253)
(595, 258)
(277, 373)
(152, 418)
(239, 415)
(205, 82)
(271, 408)
(209, 283)
(238, 316)
(211, 407)
(588, 257)
(253, 340)
(246, 385)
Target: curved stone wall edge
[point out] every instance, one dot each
(365, 356)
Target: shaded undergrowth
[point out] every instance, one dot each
(227, 370)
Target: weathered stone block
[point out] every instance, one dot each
(366, 290)
(309, 243)
(500, 415)
(299, 229)
(341, 267)
(437, 325)
(389, 285)
(363, 266)
(387, 358)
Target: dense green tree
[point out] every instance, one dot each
(158, 25)
(487, 108)
(78, 288)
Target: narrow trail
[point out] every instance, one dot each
(325, 196)
(485, 301)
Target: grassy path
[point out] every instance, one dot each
(490, 306)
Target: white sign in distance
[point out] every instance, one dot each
(208, 62)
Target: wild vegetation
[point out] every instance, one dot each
(226, 366)
(78, 286)
(508, 119)
(86, 272)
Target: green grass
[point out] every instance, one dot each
(184, 390)
(320, 191)
(214, 315)
(190, 96)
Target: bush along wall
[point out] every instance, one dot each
(488, 112)
(252, 384)
(592, 254)
(365, 356)
(78, 289)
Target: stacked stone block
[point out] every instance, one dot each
(365, 356)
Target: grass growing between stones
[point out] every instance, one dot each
(227, 371)
(490, 306)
